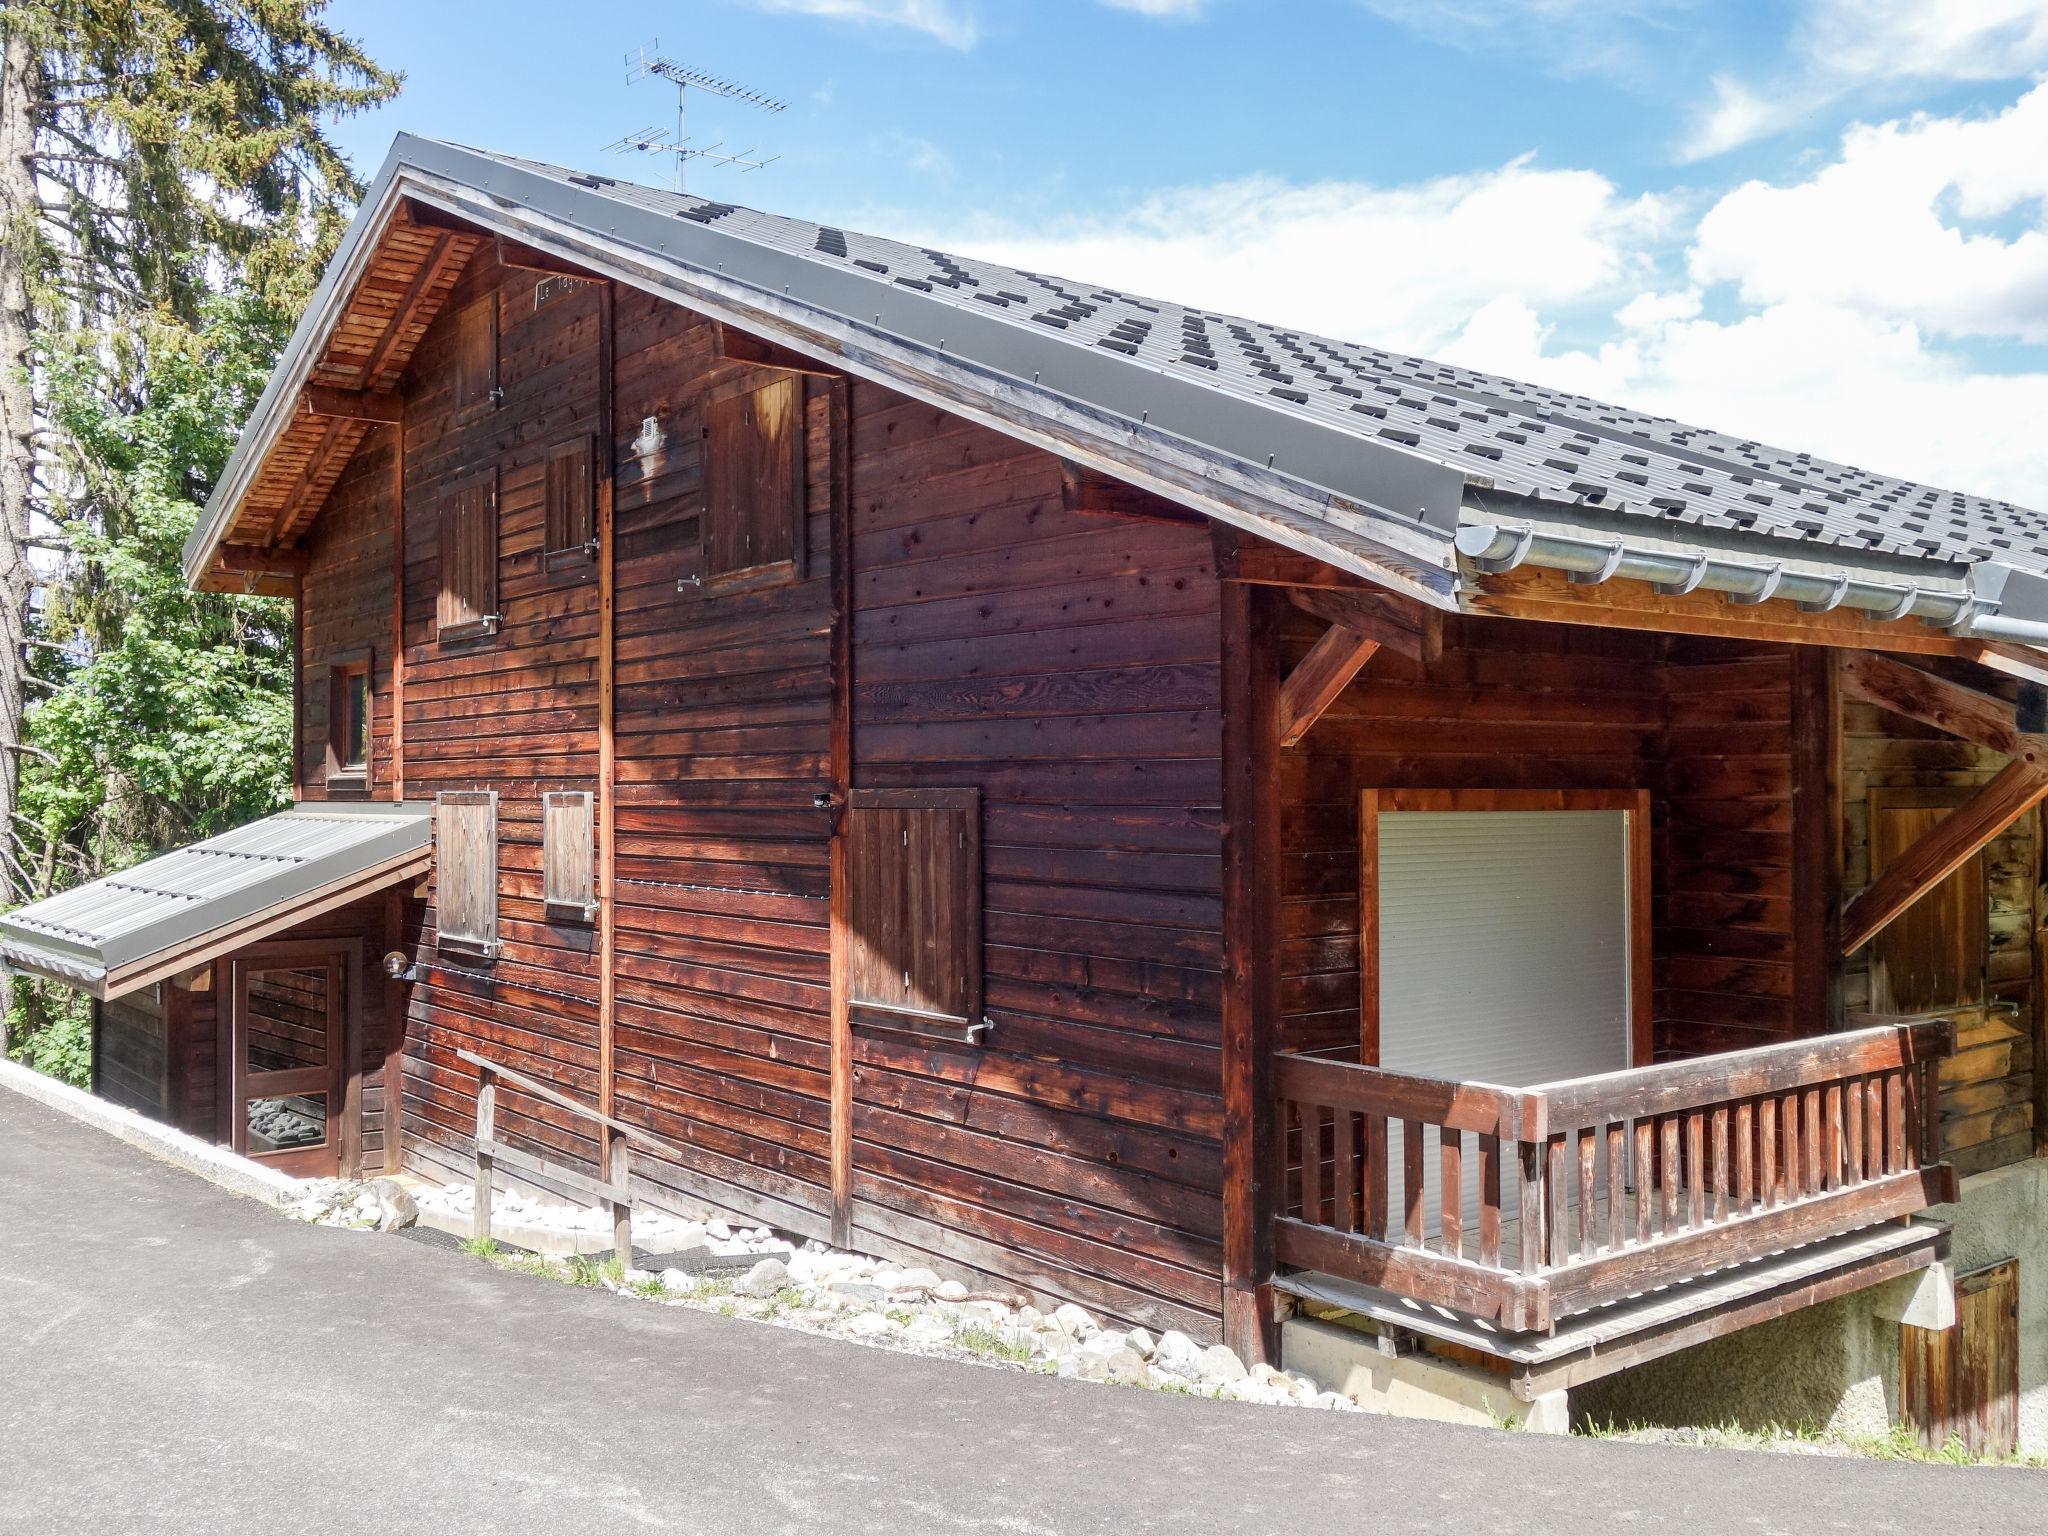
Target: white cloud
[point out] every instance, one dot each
(1877, 231)
(1404, 266)
(1172, 9)
(1844, 46)
(945, 20)
(1573, 36)
(1833, 316)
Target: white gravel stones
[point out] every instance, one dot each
(1178, 1355)
(1141, 1343)
(764, 1279)
(1075, 1323)
(379, 1205)
(1220, 1366)
(950, 1290)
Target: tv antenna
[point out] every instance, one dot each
(647, 61)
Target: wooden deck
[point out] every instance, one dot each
(1521, 1208)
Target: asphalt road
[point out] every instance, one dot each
(175, 1359)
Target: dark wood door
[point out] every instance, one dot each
(286, 1058)
(1961, 1383)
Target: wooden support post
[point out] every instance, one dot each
(1251, 843)
(607, 565)
(486, 1133)
(1816, 840)
(396, 999)
(398, 612)
(618, 1172)
(1321, 675)
(2017, 789)
(841, 767)
(1398, 623)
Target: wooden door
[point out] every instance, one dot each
(1962, 1383)
(287, 1048)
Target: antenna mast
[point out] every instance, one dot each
(648, 61)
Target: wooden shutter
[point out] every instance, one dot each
(569, 855)
(1934, 953)
(913, 908)
(753, 524)
(466, 870)
(476, 358)
(468, 602)
(1962, 1382)
(571, 520)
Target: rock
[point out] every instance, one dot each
(1140, 1341)
(719, 1230)
(1334, 1401)
(1052, 1344)
(927, 1329)
(764, 1279)
(1075, 1322)
(950, 1290)
(1125, 1368)
(689, 1235)
(1030, 1316)
(1178, 1355)
(1088, 1364)
(1220, 1365)
(870, 1325)
(395, 1208)
(916, 1280)
(858, 1290)
(678, 1280)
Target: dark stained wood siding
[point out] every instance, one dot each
(347, 609)
(130, 1057)
(1067, 667)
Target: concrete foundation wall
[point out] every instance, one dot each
(1836, 1366)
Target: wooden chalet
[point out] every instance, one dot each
(1151, 808)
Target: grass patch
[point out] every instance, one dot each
(649, 1285)
(980, 1339)
(480, 1247)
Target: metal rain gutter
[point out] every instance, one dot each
(1496, 547)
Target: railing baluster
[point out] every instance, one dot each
(1831, 1156)
(1810, 1141)
(1895, 1117)
(1718, 1161)
(1557, 1199)
(1745, 1157)
(1646, 1176)
(1489, 1201)
(1312, 1164)
(1873, 1126)
(1529, 1231)
(1377, 1173)
(1451, 1185)
(1589, 1198)
(1852, 1131)
(1767, 1189)
(1696, 1169)
(1411, 1179)
(1788, 1154)
(1667, 1137)
(1909, 1087)
(1344, 1172)
(1617, 1185)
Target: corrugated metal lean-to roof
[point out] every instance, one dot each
(184, 908)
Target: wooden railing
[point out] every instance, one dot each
(615, 1190)
(1597, 1188)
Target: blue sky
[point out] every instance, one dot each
(1820, 222)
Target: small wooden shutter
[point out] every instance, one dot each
(468, 602)
(753, 524)
(571, 520)
(1933, 954)
(476, 358)
(913, 907)
(466, 870)
(569, 855)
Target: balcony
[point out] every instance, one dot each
(1513, 1220)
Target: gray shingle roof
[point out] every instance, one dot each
(1516, 437)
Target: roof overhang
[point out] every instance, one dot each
(188, 907)
(1379, 512)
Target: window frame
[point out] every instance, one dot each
(573, 900)
(485, 619)
(725, 485)
(970, 1024)
(476, 939)
(339, 773)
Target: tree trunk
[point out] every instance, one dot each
(18, 243)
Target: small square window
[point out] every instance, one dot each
(350, 709)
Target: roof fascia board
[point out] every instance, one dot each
(1104, 411)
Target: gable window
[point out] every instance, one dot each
(349, 703)
(1933, 954)
(476, 359)
(912, 910)
(466, 871)
(568, 855)
(570, 520)
(467, 605)
(752, 529)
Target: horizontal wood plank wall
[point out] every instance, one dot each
(1723, 858)
(723, 708)
(347, 608)
(192, 1032)
(515, 712)
(1508, 705)
(1988, 1093)
(1067, 667)
(130, 1053)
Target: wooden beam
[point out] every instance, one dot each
(840, 940)
(734, 346)
(352, 404)
(1397, 623)
(1938, 852)
(259, 559)
(1319, 677)
(1951, 707)
(342, 437)
(1090, 493)
(447, 248)
(522, 257)
(1253, 561)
